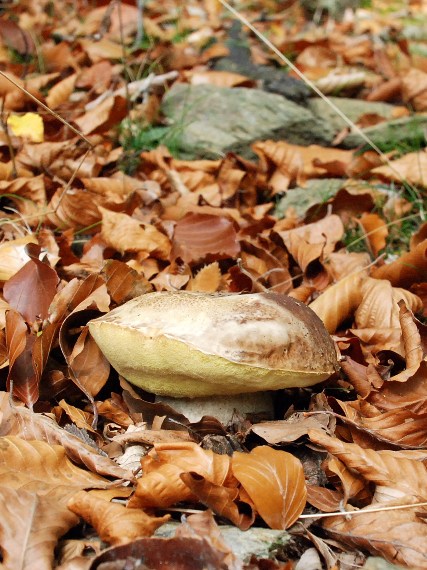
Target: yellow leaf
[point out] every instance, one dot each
(29, 126)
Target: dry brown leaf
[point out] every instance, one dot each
(398, 536)
(114, 523)
(313, 241)
(412, 168)
(13, 255)
(410, 268)
(222, 500)
(274, 480)
(204, 525)
(30, 527)
(75, 209)
(326, 500)
(285, 431)
(410, 394)
(401, 427)
(124, 233)
(397, 477)
(208, 279)
(161, 484)
(377, 318)
(339, 301)
(219, 78)
(20, 421)
(105, 115)
(286, 163)
(40, 466)
(376, 232)
(199, 235)
(414, 88)
(61, 92)
(81, 419)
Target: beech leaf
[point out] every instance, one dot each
(31, 290)
(275, 482)
(113, 522)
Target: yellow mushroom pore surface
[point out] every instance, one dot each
(191, 345)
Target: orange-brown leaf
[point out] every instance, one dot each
(198, 235)
(275, 482)
(113, 522)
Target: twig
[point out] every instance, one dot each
(363, 511)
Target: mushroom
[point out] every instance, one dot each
(206, 354)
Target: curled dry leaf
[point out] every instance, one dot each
(408, 269)
(39, 465)
(410, 394)
(286, 163)
(400, 427)
(399, 536)
(61, 92)
(161, 484)
(109, 112)
(222, 500)
(114, 523)
(204, 525)
(339, 301)
(411, 167)
(274, 480)
(124, 233)
(123, 282)
(30, 527)
(353, 485)
(20, 421)
(396, 476)
(326, 500)
(376, 232)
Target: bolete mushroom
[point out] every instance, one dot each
(215, 348)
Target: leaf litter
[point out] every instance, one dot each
(90, 221)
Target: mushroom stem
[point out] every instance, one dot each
(223, 407)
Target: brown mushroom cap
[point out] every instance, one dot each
(197, 344)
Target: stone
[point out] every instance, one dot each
(316, 191)
(377, 563)
(262, 542)
(333, 8)
(352, 108)
(408, 133)
(208, 121)
(269, 78)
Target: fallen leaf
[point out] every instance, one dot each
(31, 290)
(124, 233)
(114, 523)
(29, 126)
(198, 235)
(275, 482)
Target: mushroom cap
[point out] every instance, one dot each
(198, 344)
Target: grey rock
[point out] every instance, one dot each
(352, 108)
(316, 191)
(332, 8)
(269, 78)
(376, 563)
(262, 542)
(408, 133)
(209, 121)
